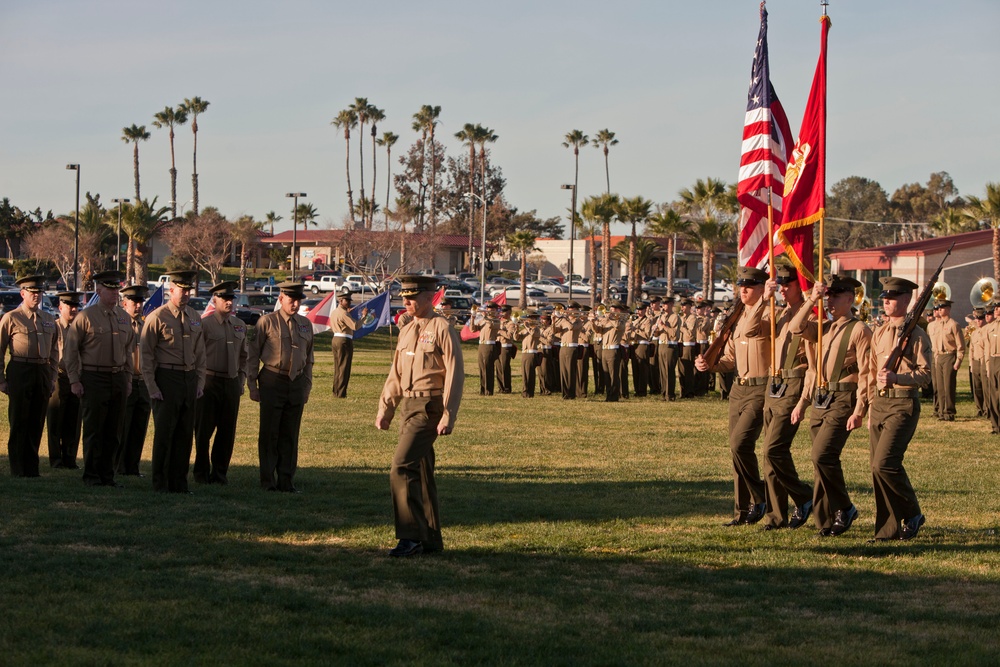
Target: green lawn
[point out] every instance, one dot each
(575, 532)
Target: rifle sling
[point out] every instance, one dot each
(845, 341)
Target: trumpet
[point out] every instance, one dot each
(983, 292)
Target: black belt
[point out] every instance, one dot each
(788, 373)
(175, 367)
(423, 394)
(898, 393)
(29, 360)
(104, 369)
(753, 382)
(842, 386)
(217, 374)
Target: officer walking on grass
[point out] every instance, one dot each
(425, 386)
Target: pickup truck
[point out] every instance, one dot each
(324, 284)
(356, 283)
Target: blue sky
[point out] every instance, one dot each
(912, 90)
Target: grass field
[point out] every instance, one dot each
(575, 533)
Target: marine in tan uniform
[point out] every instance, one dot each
(747, 354)
(218, 409)
(784, 393)
(99, 356)
(689, 347)
(653, 313)
(487, 323)
(547, 382)
(992, 363)
(342, 345)
(977, 353)
(846, 348)
(63, 415)
(425, 386)
(138, 405)
(31, 336)
(642, 329)
(279, 374)
(530, 336)
(506, 332)
(895, 411)
(668, 330)
(583, 360)
(612, 329)
(172, 349)
(948, 345)
(702, 379)
(569, 328)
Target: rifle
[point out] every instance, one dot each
(714, 351)
(913, 317)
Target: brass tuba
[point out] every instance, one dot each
(983, 292)
(941, 291)
(860, 294)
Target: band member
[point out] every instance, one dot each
(569, 327)
(63, 416)
(785, 392)
(747, 354)
(425, 386)
(895, 410)
(596, 349)
(547, 382)
(977, 354)
(668, 328)
(506, 337)
(138, 406)
(689, 346)
(529, 333)
(487, 323)
(342, 345)
(583, 359)
(32, 336)
(612, 329)
(840, 397)
(948, 345)
(653, 313)
(642, 330)
(992, 371)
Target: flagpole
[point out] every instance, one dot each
(770, 268)
(821, 382)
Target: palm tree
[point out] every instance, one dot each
(669, 223)
(133, 135)
(375, 115)
(711, 202)
(605, 138)
(523, 242)
(467, 135)
(605, 209)
(589, 223)
(272, 218)
(169, 118)
(347, 120)
(483, 136)
(576, 138)
(425, 121)
(637, 256)
(710, 234)
(307, 214)
(244, 232)
(988, 210)
(194, 107)
(388, 140)
(362, 109)
(141, 221)
(634, 210)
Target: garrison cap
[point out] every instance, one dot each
(412, 285)
(585, 308)
(70, 298)
(996, 304)
(136, 293)
(616, 303)
(492, 305)
(670, 298)
(531, 316)
(655, 299)
(687, 301)
(978, 313)
(109, 279)
(35, 283)
(506, 308)
(183, 279)
(708, 303)
(345, 294)
(225, 288)
(750, 275)
(784, 274)
(893, 285)
(292, 289)
(573, 304)
(944, 303)
(841, 284)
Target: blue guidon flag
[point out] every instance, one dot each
(154, 301)
(378, 315)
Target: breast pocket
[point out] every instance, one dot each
(431, 359)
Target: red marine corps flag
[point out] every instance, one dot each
(766, 142)
(805, 176)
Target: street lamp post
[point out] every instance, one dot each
(482, 250)
(295, 226)
(76, 229)
(572, 236)
(118, 250)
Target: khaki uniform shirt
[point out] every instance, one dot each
(704, 328)
(668, 328)
(612, 331)
(226, 347)
(428, 358)
(643, 330)
(914, 367)
(506, 332)
(137, 323)
(977, 345)
(488, 327)
(172, 338)
(747, 352)
(545, 336)
(63, 327)
(568, 330)
(31, 336)
(530, 338)
(689, 328)
(284, 345)
(99, 338)
(341, 322)
(783, 336)
(946, 338)
(992, 334)
(856, 358)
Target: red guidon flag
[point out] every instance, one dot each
(766, 142)
(467, 333)
(805, 176)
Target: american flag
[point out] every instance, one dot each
(767, 139)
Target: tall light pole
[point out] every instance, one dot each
(76, 229)
(482, 250)
(174, 203)
(118, 250)
(572, 237)
(295, 226)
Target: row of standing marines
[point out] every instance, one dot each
(426, 377)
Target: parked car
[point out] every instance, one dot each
(249, 306)
(684, 287)
(723, 292)
(308, 304)
(654, 287)
(493, 281)
(461, 307)
(10, 299)
(199, 303)
(534, 297)
(548, 285)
